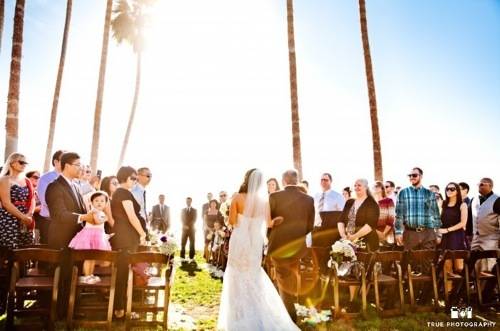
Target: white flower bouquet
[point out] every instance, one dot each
(311, 317)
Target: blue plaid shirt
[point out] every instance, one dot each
(416, 208)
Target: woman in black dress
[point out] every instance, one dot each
(128, 230)
(213, 214)
(453, 223)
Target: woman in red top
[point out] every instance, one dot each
(385, 224)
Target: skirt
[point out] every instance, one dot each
(91, 238)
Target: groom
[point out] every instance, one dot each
(287, 240)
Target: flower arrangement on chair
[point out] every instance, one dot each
(343, 257)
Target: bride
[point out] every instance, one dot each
(249, 300)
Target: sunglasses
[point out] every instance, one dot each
(413, 175)
(483, 184)
(450, 189)
(88, 171)
(21, 162)
(222, 196)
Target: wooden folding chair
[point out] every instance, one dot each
(161, 284)
(34, 268)
(5, 271)
(313, 276)
(422, 269)
(25, 287)
(458, 280)
(481, 276)
(365, 266)
(107, 283)
(391, 276)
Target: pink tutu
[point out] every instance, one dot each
(90, 238)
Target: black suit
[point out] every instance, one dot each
(188, 231)
(160, 218)
(64, 208)
(287, 240)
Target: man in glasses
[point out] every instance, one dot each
(328, 205)
(417, 215)
(486, 229)
(390, 188)
(139, 191)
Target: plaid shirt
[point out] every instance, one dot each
(416, 208)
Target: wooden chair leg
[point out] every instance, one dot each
(336, 298)
(72, 293)
(434, 287)
(477, 274)
(401, 292)
(377, 294)
(363, 293)
(55, 294)
(446, 294)
(410, 287)
(467, 287)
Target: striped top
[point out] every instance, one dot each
(387, 214)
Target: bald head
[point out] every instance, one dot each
(290, 177)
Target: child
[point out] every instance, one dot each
(93, 236)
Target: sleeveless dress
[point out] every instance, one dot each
(454, 240)
(249, 300)
(12, 233)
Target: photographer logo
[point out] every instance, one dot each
(461, 312)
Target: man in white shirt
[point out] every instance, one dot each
(139, 191)
(328, 205)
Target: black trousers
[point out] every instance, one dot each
(122, 276)
(187, 234)
(42, 224)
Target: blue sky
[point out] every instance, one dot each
(215, 94)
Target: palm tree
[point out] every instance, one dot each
(100, 88)
(55, 101)
(297, 155)
(128, 25)
(377, 150)
(11, 123)
(2, 14)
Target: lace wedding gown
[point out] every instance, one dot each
(249, 300)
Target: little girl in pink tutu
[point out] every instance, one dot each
(93, 236)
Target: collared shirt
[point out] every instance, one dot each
(332, 201)
(416, 207)
(43, 183)
(139, 192)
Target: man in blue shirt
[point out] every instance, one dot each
(417, 215)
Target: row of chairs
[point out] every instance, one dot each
(34, 275)
(405, 272)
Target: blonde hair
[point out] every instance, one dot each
(7, 167)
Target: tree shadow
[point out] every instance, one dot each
(190, 267)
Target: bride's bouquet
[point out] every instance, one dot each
(311, 318)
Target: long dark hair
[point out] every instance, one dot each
(459, 196)
(244, 186)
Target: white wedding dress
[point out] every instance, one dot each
(249, 300)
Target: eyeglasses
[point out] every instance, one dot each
(133, 178)
(450, 189)
(79, 165)
(21, 162)
(413, 175)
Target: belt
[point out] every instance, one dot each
(419, 229)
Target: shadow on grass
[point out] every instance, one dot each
(190, 267)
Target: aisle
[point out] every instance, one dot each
(194, 303)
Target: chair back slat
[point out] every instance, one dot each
(422, 256)
(37, 254)
(148, 257)
(388, 256)
(92, 254)
(489, 254)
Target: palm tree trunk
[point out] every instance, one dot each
(297, 155)
(377, 150)
(11, 123)
(2, 15)
(55, 101)
(132, 111)
(100, 89)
